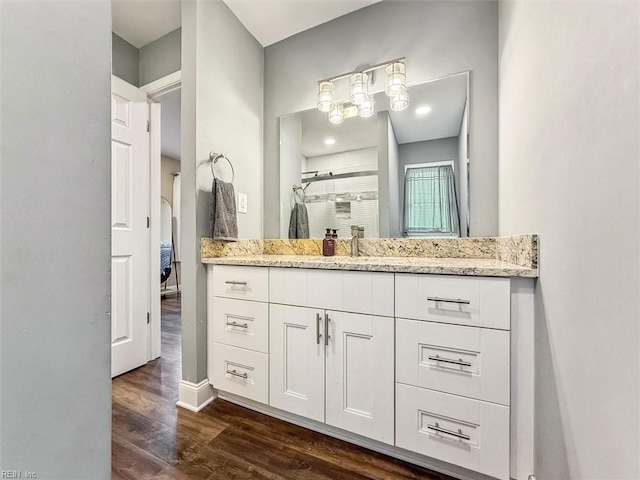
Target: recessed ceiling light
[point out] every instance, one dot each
(329, 141)
(423, 110)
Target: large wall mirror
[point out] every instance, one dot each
(397, 173)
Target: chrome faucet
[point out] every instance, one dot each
(356, 233)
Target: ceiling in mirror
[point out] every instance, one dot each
(445, 101)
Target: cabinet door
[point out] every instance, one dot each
(297, 360)
(360, 383)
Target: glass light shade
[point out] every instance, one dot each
(336, 113)
(367, 108)
(396, 81)
(325, 96)
(359, 88)
(350, 110)
(399, 102)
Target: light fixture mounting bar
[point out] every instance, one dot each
(366, 70)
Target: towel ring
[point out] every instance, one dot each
(214, 157)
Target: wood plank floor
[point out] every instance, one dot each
(152, 438)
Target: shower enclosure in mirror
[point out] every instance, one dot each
(397, 173)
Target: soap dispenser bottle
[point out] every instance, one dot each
(328, 244)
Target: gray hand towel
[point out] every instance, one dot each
(299, 223)
(223, 219)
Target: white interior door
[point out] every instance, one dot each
(129, 227)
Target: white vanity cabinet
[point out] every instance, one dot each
(335, 367)
(334, 362)
(238, 330)
(434, 369)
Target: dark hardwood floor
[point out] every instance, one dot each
(152, 438)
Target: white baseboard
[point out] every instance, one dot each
(195, 396)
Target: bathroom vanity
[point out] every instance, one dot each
(425, 359)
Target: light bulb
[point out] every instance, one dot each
(396, 81)
(367, 108)
(399, 102)
(336, 113)
(359, 88)
(325, 96)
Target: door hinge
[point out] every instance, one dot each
(148, 318)
(148, 126)
(148, 222)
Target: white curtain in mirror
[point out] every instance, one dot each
(431, 205)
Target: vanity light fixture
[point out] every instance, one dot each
(329, 141)
(360, 102)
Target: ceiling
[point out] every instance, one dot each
(351, 134)
(171, 124)
(140, 22)
(446, 97)
(273, 20)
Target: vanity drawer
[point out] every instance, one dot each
(474, 362)
(245, 283)
(475, 301)
(239, 371)
(461, 431)
(240, 323)
(346, 291)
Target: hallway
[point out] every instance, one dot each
(152, 438)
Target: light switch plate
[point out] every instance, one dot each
(242, 202)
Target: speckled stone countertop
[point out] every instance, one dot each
(445, 266)
(515, 256)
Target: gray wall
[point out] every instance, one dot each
(149, 63)
(221, 113)
(438, 38)
(428, 151)
(55, 404)
(125, 60)
(395, 200)
(161, 57)
(569, 170)
(462, 178)
(384, 214)
(291, 149)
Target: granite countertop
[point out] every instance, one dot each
(485, 267)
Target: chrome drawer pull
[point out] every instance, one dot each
(318, 334)
(449, 300)
(438, 358)
(457, 434)
(234, 282)
(236, 324)
(236, 374)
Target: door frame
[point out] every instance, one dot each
(154, 91)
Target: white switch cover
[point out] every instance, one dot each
(242, 202)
